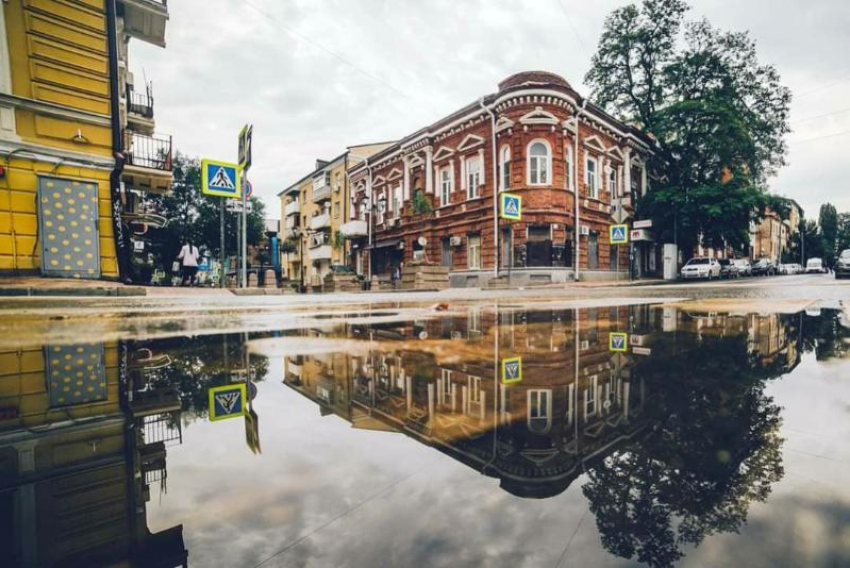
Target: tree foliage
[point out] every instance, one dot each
(718, 118)
(828, 222)
(193, 215)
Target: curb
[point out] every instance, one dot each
(103, 292)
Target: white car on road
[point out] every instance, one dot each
(701, 267)
(814, 265)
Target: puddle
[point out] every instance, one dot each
(626, 435)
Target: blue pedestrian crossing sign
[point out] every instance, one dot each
(511, 370)
(228, 401)
(511, 206)
(221, 179)
(619, 234)
(618, 342)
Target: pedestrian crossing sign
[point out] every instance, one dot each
(511, 206)
(228, 401)
(221, 179)
(511, 370)
(618, 342)
(619, 234)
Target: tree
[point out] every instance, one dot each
(843, 231)
(193, 215)
(717, 116)
(828, 221)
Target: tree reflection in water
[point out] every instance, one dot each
(713, 447)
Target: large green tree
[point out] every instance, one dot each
(717, 115)
(844, 231)
(828, 221)
(193, 215)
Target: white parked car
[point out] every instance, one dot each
(701, 267)
(814, 266)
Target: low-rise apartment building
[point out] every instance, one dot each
(432, 195)
(76, 134)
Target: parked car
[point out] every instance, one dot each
(815, 266)
(842, 265)
(798, 268)
(701, 267)
(764, 267)
(744, 267)
(787, 269)
(728, 268)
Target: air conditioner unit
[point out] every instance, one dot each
(455, 241)
(584, 230)
(457, 335)
(585, 345)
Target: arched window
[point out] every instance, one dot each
(539, 163)
(505, 168)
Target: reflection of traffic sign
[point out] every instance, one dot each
(619, 234)
(220, 179)
(618, 342)
(228, 401)
(620, 361)
(511, 206)
(245, 143)
(252, 431)
(645, 351)
(511, 370)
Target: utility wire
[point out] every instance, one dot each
(321, 47)
(808, 118)
(822, 87)
(572, 27)
(836, 135)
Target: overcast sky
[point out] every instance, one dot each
(315, 76)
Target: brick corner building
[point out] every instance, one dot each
(430, 196)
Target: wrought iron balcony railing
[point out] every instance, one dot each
(140, 104)
(148, 151)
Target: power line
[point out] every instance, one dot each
(836, 135)
(572, 27)
(842, 111)
(321, 47)
(822, 87)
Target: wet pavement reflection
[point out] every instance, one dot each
(631, 435)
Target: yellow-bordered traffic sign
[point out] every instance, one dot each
(511, 206)
(511, 370)
(618, 342)
(246, 136)
(619, 234)
(229, 401)
(221, 179)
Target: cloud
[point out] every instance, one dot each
(386, 69)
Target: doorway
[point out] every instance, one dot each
(505, 248)
(593, 251)
(67, 213)
(446, 252)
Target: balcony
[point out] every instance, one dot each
(140, 110)
(354, 229)
(148, 162)
(323, 193)
(293, 208)
(321, 253)
(145, 19)
(320, 222)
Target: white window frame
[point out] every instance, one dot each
(446, 186)
(613, 180)
(396, 204)
(530, 170)
(473, 177)
(505, 168)
(591, 182)
(568, 167)
(539, 408)
(473, 261)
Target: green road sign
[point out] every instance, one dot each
(229, 401)
(511, 206)
(618, 342)
(511, 370)
(221, 179)
(619, 234)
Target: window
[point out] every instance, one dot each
(591, 177)
(396, 201)
(473, 178)
(445, 186)
(568, 168)
(590, 397)
(473, 252)
(539, 411)
(613, 179)
(539, 164)
(336, 210)
(505, 176)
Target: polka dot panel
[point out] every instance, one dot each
(68, 249)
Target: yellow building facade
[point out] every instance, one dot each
(64, 128)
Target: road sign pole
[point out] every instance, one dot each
(244, 237)
(222, 254)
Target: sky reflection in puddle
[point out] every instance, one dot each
(602, 436)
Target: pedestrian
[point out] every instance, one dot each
(188, 258)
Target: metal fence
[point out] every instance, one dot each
(148, 151)
(140, 103)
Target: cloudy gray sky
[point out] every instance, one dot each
(315, 76)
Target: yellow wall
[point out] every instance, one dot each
(339, 208)
(58, 54)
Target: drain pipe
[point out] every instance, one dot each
(495, 186)
(579, 112)
(122, 245)
(371, 205)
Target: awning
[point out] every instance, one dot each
(386, 243)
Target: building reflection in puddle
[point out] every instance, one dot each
(665, 411)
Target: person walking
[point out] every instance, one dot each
(188, 258)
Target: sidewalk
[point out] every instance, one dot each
(39, 286)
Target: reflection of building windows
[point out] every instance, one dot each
(473, 321)
(593, 325)
(590, 397)
(474, 386)
(539, 411)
